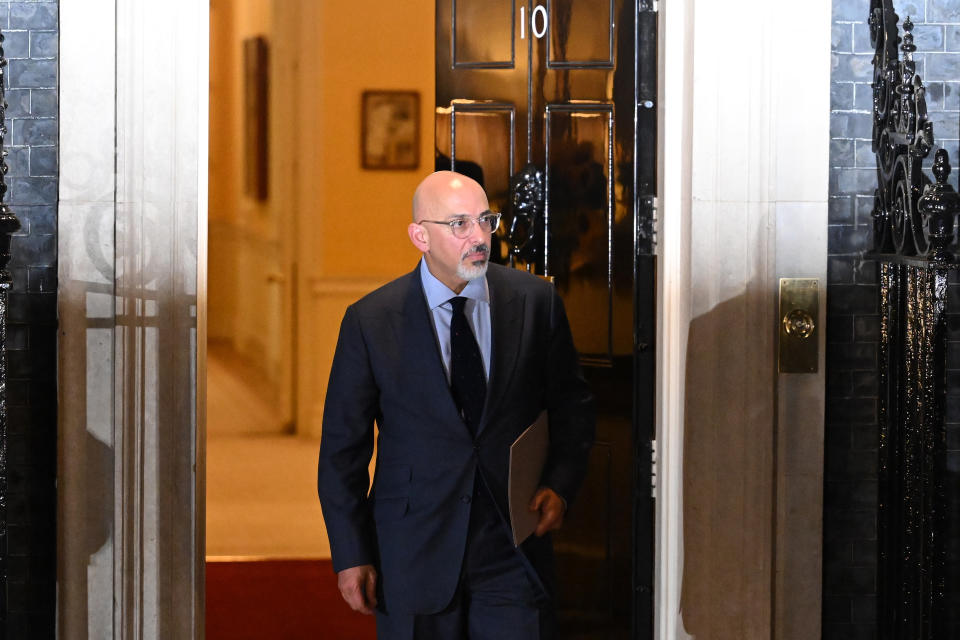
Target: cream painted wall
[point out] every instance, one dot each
(353, 223)
(357, 217)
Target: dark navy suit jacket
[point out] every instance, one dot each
(387, 368)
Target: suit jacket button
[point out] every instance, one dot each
(476, 448)
(465, 499)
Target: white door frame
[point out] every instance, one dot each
(744, 128)
(132, 274)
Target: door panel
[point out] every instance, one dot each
(581, 34)
(483, 34)
(578, 217)
(562, 110)
(485, 134)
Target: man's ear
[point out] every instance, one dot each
(418, 236)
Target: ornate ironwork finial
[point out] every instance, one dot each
(941, 166)
(908, 47)
(909, 67)
(939, 205)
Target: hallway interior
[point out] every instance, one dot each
(261, 483)
(268, 568)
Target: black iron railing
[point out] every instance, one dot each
(915, 246)
(8, 225)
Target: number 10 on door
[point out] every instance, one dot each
(538, 22)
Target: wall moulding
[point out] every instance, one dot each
(328, 299)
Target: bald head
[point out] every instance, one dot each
(453, 256)
(445, 192)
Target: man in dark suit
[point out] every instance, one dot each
(452, 361)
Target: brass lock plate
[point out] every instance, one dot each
(799, 333)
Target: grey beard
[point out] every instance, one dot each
(470, 270)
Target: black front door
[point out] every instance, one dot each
(550, 107)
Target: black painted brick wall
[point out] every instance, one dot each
(32, 40)
(850, 487)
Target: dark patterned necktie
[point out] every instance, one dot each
(467, 379)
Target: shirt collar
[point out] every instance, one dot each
(438, 293)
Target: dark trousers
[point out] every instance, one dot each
(496, 599)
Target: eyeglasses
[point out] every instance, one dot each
(461, 226)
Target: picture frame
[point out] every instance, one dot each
(255, 118)
(390, 130)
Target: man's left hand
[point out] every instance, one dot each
(551, 508)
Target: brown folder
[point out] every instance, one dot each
(528, 455)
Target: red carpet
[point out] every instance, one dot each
(280, 600)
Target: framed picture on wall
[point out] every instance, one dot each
(390, 131)
(255, 182)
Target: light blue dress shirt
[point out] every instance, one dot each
(477, 310)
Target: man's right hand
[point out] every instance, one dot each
(358, 586)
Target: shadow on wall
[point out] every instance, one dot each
(728, 472)
(114, 336)
(87, 456)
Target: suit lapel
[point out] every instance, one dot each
(506, 319)
(419, 349)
